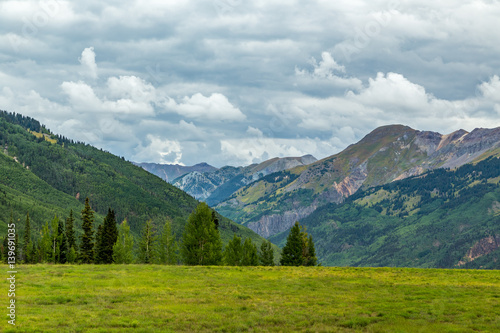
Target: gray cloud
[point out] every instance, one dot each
(234, 82)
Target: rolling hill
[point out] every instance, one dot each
(46, 174)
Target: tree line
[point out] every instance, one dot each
(201, 243)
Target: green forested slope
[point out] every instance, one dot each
(47, 174)
(441, 219)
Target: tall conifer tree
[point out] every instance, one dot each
(87, 246)
(292, 252)
(299, 249)
(70, 232)
(106, 239)
(98, 250)
(71, 239)
(62, 257)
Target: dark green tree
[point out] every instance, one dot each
(310, 259)
(106, 239)
(122, 250)
(147, 251)
(233, 252)
(87, 245)
(62, 256)
(28, 245)
(249, 255)
(70, 237)
(201, 243)
(215, 220)
(299, 249)
(99, 245)
(266, 255)
(292, 252)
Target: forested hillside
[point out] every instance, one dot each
(444, 218)
(47, 174)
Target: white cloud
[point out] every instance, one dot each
(87, 61)
(327, 70)
(160, 151)
(81, 96)
(491, 89)
(392, 90)
(187, 73)
(128, 95)
(215, 107)
(252, 131)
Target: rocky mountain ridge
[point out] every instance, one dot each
(216, 185)
(386, 154)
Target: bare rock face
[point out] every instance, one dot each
(481, 248)
(273, 224)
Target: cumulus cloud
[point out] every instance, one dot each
(87, 61)
(159, 150)
(329, 71)
(127, 95)
(214, 107)
(491, 89)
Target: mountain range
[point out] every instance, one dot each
(273, 203)
(213, 185)
(398, 197)
(441, 219)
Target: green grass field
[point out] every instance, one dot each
(149, 298)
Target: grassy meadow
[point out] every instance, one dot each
(150, 298)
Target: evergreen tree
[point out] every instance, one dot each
(266, 255)
(28, 245)
(122, 250)
(87, 246)
(299, 249)
(62, 257)
(292, 252)
(99, 246)
(311, 259)
(201, 240)
(167, 247)
(71, 239)
(249, 254)
(233, 252)
(106, 239)
(146, 253)
(215, 220)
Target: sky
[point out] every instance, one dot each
(233, 82)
